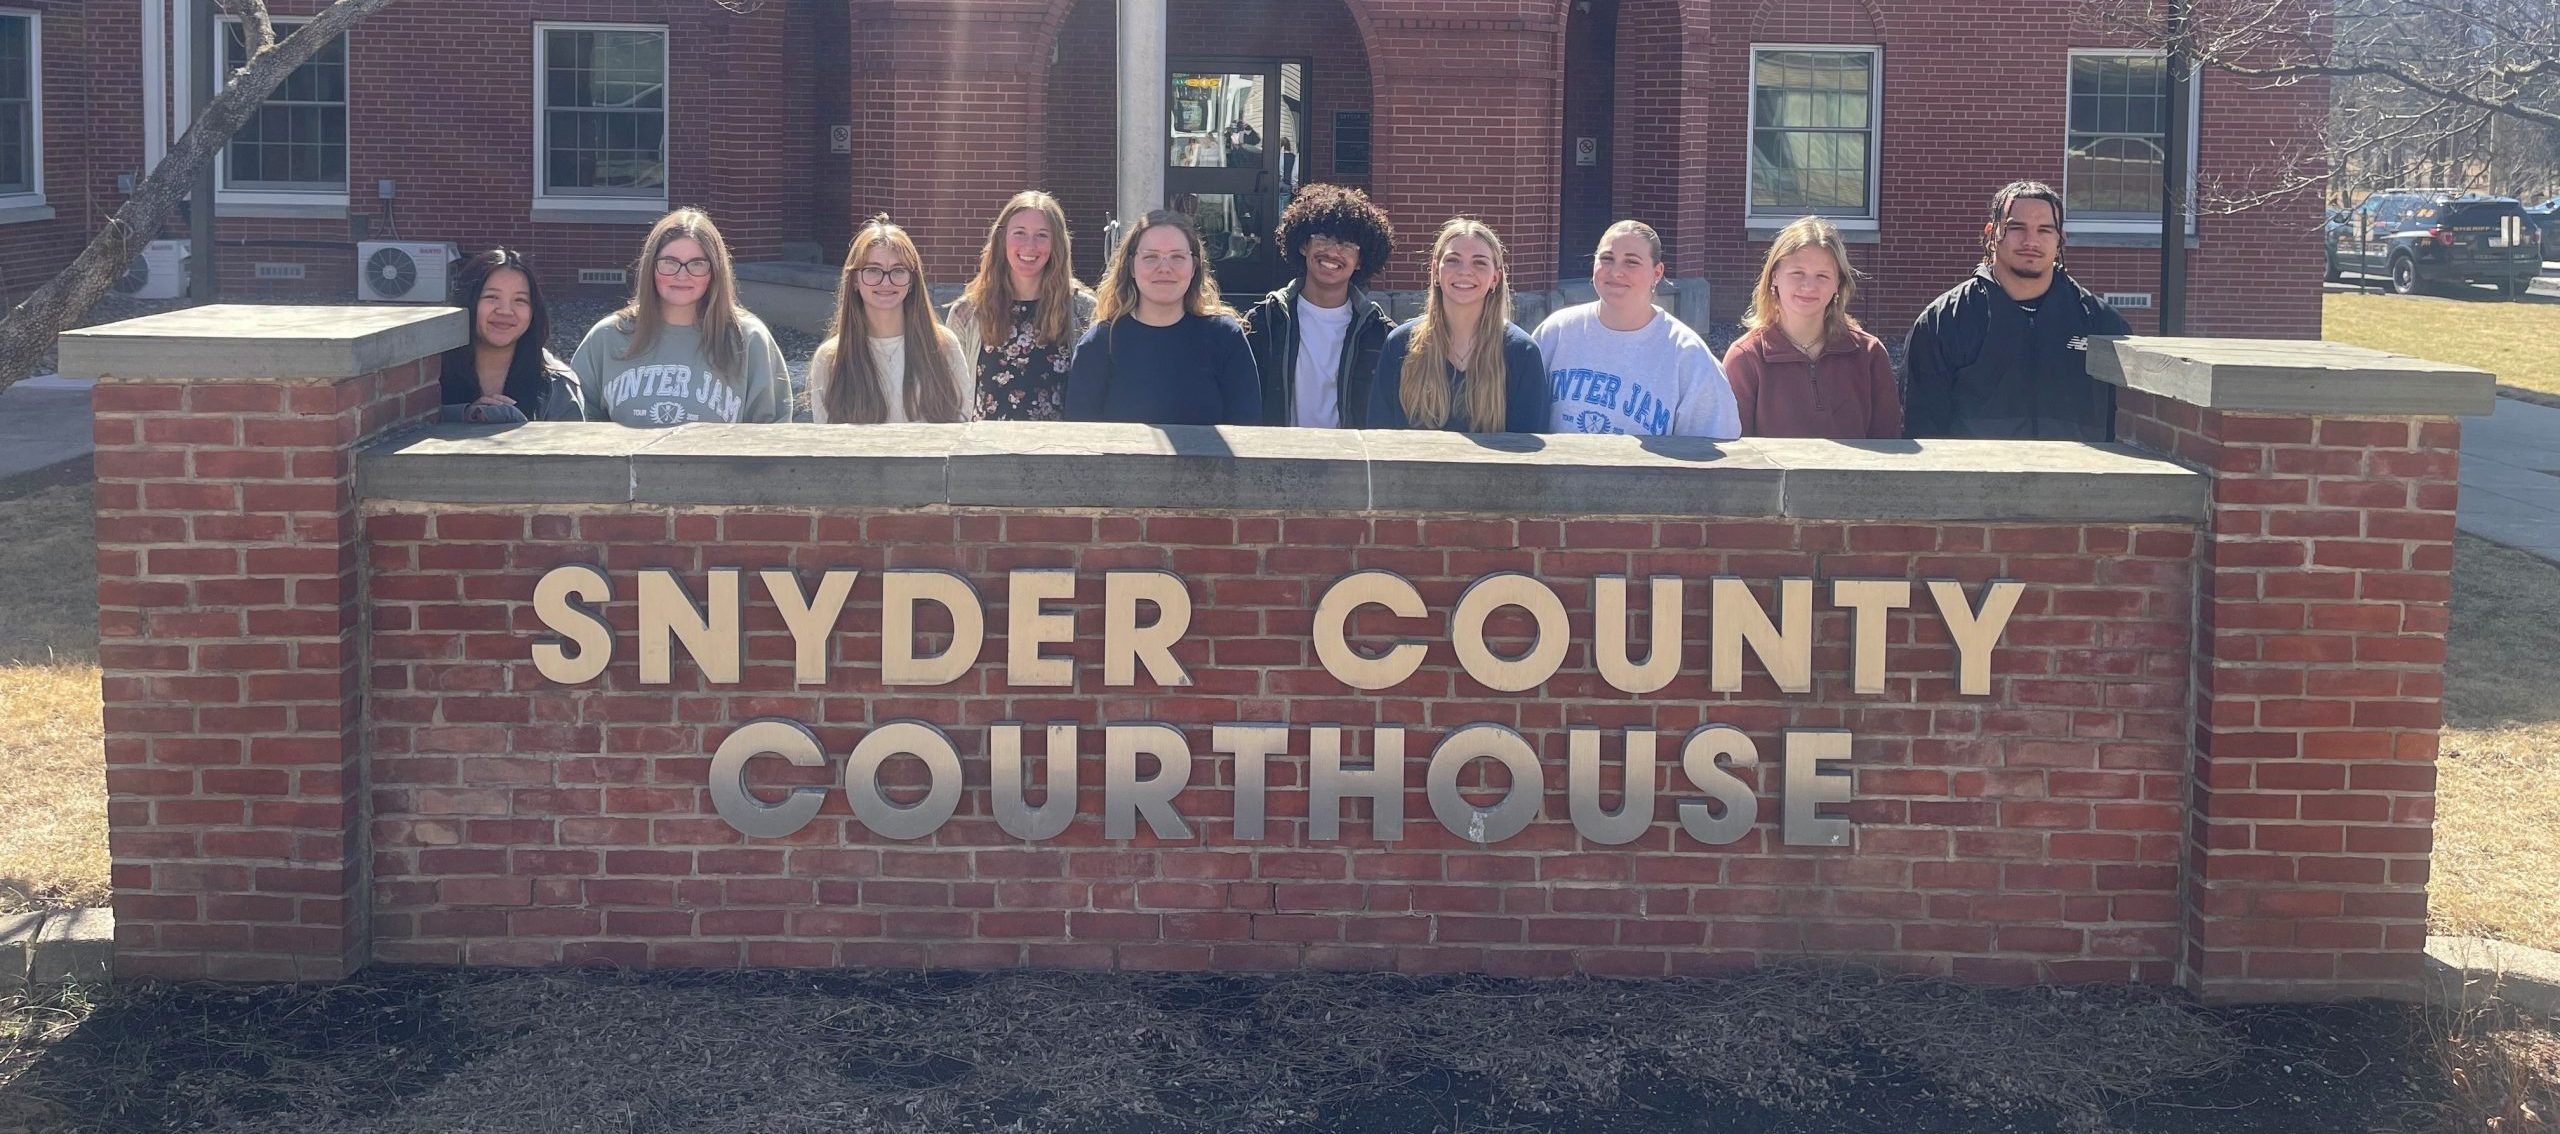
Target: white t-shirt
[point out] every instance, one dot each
(1658, 380)
(889, 360)
(1318, 400)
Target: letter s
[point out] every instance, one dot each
(574, 623)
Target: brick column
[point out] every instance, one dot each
(947, 119)
(1468, 108)
(230, 622)
(2323, 577)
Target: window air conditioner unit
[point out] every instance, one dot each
(403, 272)
(159, 273)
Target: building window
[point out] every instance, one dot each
(1814, 117)
(297, 141)
(600, 108)
(2119, 130)
(21, 82)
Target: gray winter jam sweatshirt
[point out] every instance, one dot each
(672, 382)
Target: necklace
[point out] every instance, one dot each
(1808, 349)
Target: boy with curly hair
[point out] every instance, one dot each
(1316, 340)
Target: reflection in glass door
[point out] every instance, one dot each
(1234, 136)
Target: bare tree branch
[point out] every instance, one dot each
(2460, 93)
(30, 327)
(253, 14)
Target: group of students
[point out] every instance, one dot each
(1154, 343)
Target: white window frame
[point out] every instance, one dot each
(33, 197)
(2127, 225)
(1854, 227)
(238, 202)
(571, 206)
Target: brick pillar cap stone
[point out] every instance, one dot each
(246, 342)
(2292, 377)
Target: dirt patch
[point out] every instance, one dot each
(1772, 1051)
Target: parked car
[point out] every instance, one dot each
(2419, 238)
(2543, 221)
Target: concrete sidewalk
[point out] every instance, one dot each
(2511, 477)
(44, 421)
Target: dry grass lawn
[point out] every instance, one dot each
(2497, 858)
(2519, 341)
(53, 789)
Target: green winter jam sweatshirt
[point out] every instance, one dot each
(672, 382)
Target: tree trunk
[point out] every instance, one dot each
(29, 330)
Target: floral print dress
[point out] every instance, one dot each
(1019, 379)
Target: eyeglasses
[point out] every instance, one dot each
(874, 277)
(670, 266)
(1150, 261)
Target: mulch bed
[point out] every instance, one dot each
(1769, 1052)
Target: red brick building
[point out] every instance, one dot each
(566, 126)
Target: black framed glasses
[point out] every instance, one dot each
(670, 266)
(875, 276)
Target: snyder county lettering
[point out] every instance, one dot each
(1146, 613)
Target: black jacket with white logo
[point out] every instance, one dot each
(1979, 365)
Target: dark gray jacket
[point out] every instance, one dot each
(1272, 324)
(1978, 365)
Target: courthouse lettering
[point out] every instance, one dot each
(1147, 613)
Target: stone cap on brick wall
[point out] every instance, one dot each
(2292, 377)
(1257, 468)
(247, 342)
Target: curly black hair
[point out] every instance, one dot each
(1343, 214)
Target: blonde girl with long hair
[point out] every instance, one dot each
(1020, 317)
(1163, 348)
(683, 349)
(905, 366)
(1804, 367)
(1462, 366)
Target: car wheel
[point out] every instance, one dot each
(2336, 273)
(2404, 276)
(2515, 288)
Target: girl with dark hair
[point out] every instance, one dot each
(1163, 350)
(903, 366)
(1019, 319)
(683, 350)
(503, 373)
(1462, 366)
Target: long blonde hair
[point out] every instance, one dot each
(1424, 386)
(723, 344)
(850, 385)
(1119, 291)
(989, 297)
(1805, 232)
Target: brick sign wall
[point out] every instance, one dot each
(359, 703)
(2029, 834)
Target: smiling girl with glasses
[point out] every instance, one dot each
(683, 350)
(910, 368)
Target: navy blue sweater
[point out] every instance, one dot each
(1196, 372)
(1527, 399)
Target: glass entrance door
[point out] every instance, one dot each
(1235, 132)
